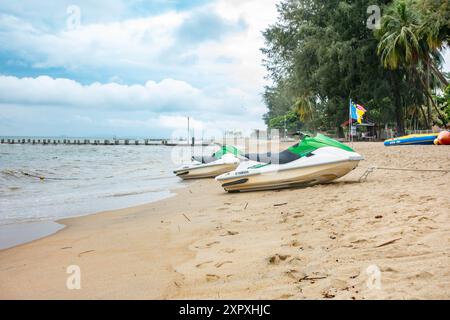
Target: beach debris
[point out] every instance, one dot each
(388, 243)
(88, 251)
(64, 248)
(246, 205)
(203, 263)
(379, 217)
(328, 295)
(187, 218)
(176, 284)
(280, 204)
(219, 264)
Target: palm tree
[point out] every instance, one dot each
(404, 43)
(304, 107)
(435, 29)
(399, 43)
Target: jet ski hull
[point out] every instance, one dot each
(287, 178)
(205, 171)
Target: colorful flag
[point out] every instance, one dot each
(357, 111)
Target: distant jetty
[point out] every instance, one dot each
(103, 142)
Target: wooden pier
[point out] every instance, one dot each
(99, 142)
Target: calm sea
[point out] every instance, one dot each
(77, 180)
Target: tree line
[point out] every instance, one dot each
(320, 54)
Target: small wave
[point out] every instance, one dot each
(38, 174)
(131, 193)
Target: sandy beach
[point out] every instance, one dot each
(321, 242)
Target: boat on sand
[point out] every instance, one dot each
(224, 160)
(311, 161)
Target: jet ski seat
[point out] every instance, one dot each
(204, 159)
(276, 158)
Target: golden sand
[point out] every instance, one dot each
(386, 238)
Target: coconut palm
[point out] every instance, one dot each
(304, 107)
(405, 44)
(399, 42)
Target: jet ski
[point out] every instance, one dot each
(311, 161)
(224, 160)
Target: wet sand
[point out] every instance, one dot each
(331, 241)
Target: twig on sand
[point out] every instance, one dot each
(388, 243)
(246, 205)
(280, 204)
(85, 252)
(186, 217)
(308, 278)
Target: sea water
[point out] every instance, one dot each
(43, 183)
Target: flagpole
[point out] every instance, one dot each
(350, 120)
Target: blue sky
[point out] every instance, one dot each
(131, 68)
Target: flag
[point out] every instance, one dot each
(357, 111)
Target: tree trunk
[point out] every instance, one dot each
(431, 102)
(424, 116)
(397, 103)
(437, 73)
(427, 90)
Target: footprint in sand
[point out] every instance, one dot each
(208, 245)
(293, 243)
(427, 198)
(229, 250)
(230, 233)
(402, 196)
(277, 258)
(212, 277)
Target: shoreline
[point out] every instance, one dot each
(320, 242)
(18, 233)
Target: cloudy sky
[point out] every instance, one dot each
(131, 68)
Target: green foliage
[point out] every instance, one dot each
(290, 118)
(400, 42)
(320, 54)
(443, 102)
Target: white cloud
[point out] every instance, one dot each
(167, 95)
(216, 79)
(156, 105)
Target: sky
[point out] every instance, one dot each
(132, 67)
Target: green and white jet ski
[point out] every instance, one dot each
(224, 160)
(311, 161)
